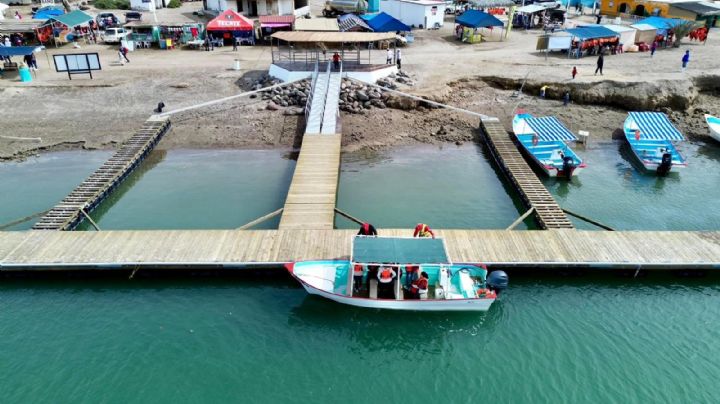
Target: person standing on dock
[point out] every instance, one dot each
(423, 230)
(336, 61)
(389, 56)
(367, 229)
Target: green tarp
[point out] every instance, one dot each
(72, 19)
(390, 250)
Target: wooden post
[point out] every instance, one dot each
(92, 222)
(586, 219)
(352, 218)
(260, 219)
(520, 219)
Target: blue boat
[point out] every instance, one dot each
(651, 136)
(545, 140)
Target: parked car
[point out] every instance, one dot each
(114, 35)
(106, 20)
(133, 16)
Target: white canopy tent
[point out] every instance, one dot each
(530, 9)
(627, 34)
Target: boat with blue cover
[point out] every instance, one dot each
(652, 139)
(545, 140)
(399, 273)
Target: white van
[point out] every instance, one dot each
(114, 35)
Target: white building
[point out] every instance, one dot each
(147, 5)
(428, 13)
(252, 8)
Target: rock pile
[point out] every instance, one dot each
(394, 79)
(356, 98)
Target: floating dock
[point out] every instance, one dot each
(188, 249)
(68, 214)
(310, 202)
(548, 213)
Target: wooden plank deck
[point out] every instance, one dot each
(310, 202)
(40, 250)
(66, 215)
(548, 213)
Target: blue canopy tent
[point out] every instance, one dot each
(662, 24)
(478, 19)
(384, 22)
(591, 32)
(48, 12)
(9, 51)
(548, 128)
(655, 126)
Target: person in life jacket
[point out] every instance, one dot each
(419, 286)
(357, 277)
(423, 230)
(411, 274)
(366, 229)
(386, 275)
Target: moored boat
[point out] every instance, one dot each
(713, 123)
(545, 140)
(651, 136)
(388, 273)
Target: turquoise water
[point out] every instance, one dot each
(547, 340)
(37, 183)
(615, 191)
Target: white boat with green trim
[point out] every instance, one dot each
(388, 273)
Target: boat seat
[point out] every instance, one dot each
(373, 286)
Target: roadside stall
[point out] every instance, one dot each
(470, 21)
(627, 36)
(526, 16)
(228, 26)
(591, 40)
(24, 32)
(71, 27)
(664, 28)
(644, 35)
(270, 24)
(166, 35)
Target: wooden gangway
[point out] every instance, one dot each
(310, 202)
(71, 211)
(548, 213)
(188, 249)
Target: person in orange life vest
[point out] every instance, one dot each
(385, 277)
(423, 230)
(357, 277)
(366, 229)
(419, 286)
(411, 273)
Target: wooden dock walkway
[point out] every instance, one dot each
(188, 249)
(67, 214)
(548, 213)
(310, 202)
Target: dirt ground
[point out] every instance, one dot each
(103, 112)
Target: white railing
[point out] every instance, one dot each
(308, 102)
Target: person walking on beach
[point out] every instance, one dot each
(543, 91)
(389, 57)
(574, 72)
(18, 16)
(124, 52)
(398, 58)
(599, 18)
(653, 48)
(600, 62)
(566, 98)
(685, 60)
(236, 40)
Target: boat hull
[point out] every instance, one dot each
(408, 305)
(713, 123)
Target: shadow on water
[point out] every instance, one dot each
(155, 157)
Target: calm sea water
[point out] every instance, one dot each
(548, 340)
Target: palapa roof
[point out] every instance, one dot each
(332, 37)
(317, 24)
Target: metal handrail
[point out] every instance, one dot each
(308, 102)
(328, 71)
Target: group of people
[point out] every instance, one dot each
(415, 282)
(397, 55)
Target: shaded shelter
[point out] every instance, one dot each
(230, 25)
(71, 26)
(384, 22)
(473, 20)
(352, 23)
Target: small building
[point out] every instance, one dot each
(416, 13)
(254, 8)
(148, 5)
(707, 13)
(317, 24)
(639, 8)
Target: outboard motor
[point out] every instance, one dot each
(665, 165)
(497, 281)
(568, 166)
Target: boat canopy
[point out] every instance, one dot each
(655, 126)
(399, 250)
(548, 128)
